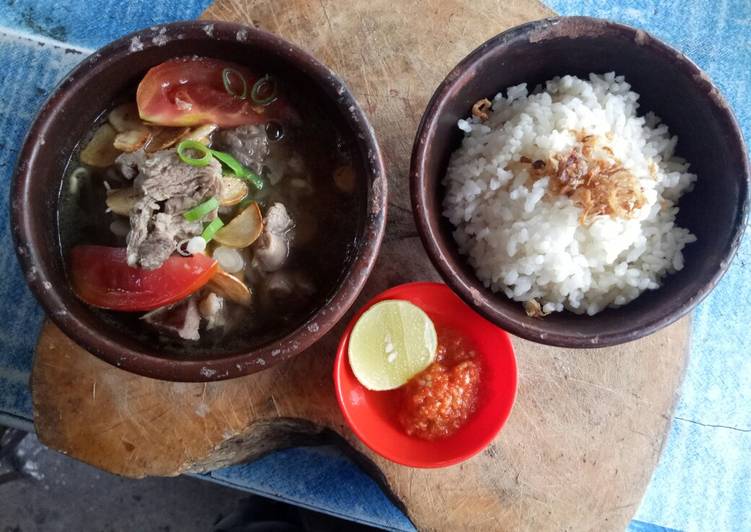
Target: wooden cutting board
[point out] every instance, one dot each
(588, 425)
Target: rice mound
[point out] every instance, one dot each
(532, 243)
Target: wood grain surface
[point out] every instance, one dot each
(588, 425)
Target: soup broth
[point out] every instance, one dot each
(308, 170)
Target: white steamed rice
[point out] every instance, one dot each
(534, 247)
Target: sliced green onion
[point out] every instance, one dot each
(244, 203)
(255, 179)
(264, 91)
(201, 210)
(195, 146)
(237, 168)
(210, 230)
(231, 163)
(226, 73)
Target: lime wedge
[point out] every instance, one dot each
(391, 342)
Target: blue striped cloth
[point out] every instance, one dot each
(703, 478)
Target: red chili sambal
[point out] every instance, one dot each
(440, 399)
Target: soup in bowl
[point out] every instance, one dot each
(212, 201)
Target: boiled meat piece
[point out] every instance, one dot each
(272, 247)
(212, 309)
(166, 188)
(181, 319)
(248, 144)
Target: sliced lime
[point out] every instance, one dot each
(391, 342)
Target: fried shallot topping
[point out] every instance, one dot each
(480, 109)
(597, 186)
(533, 309)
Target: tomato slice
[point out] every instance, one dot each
(102, 278)
(190, 91)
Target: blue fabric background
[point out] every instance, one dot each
(703, 480)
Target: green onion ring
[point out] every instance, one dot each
(211, 229)
(228, 83)
(255, 179)
(201, 210)
(259, 85)
(237, 168)
(194, 145)
(244, 203)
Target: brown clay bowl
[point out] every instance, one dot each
(671, 86)
(85, 93)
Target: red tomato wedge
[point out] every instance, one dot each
(190, 91)
(102, 278)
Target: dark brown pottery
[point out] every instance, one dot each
(85, 93)
(671, 86)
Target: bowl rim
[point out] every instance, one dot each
(146, 362)
(466, 285)
(341, 361)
